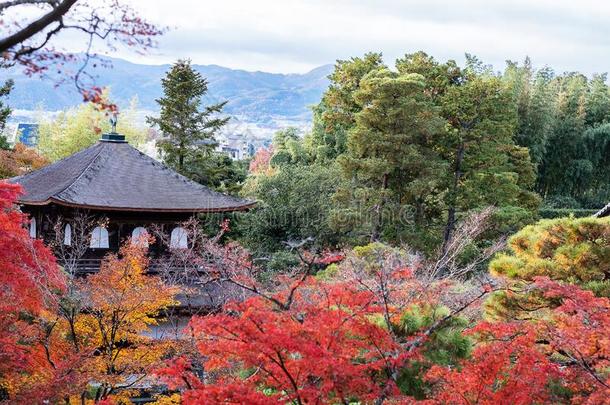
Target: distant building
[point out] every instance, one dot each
(236, 147)
(27, 134)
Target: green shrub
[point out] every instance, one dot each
(551, 213)
(571, 250)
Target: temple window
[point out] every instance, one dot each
(33, 227)
(178, 238)
(68, 235)
(99, 238)
(138, 234)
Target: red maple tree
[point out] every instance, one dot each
(29, 278)
(260, 162)
(312, 341)
(564, 357)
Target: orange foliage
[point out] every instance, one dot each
(343, 337)
(260, 163)
(97, 334)
(19, 161)
(311, 342)
(345, 340)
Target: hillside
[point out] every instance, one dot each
(258, 98)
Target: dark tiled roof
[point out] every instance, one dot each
(115, 175)
(604, 212)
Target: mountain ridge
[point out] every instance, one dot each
(261, 98)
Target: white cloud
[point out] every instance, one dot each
(297, 35)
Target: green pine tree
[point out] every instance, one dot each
(335, 115)
(188, 129)
(487, 168)
(5, 111)
(390, 161)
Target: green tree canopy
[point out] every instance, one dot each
(289, 148)
(575, 251)
(562, 120)
(424, 145)
(293, 204)
(487, 168)
(390, 159)
(188, 128)
(335, 115)
(5, 111)
(80, 127)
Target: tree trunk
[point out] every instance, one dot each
(419, 212)
(378, 211)
(451, 210)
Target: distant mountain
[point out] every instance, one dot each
(259, 98)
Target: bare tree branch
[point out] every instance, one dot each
(35, 27)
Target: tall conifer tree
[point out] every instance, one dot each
(5, 111)
(390, 159)
(188, 129)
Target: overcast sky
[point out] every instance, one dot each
(298, 35)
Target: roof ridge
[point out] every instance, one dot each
(81, 174)
(118, 176)
(186, 179)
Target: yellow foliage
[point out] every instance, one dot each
(97, 343)
(81, 127)
(566, 249)
(173, 399)
(125, 302)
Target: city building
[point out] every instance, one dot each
(26, 134)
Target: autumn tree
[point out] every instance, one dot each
(31, 279)
(347, 336)
(261, 161)
(20, 160)
(30, 42)
(122, 302)
(373, 328)
(189, 130)
(98, 350)
(548, 343)
(560, 358)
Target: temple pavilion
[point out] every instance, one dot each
(130, 190)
